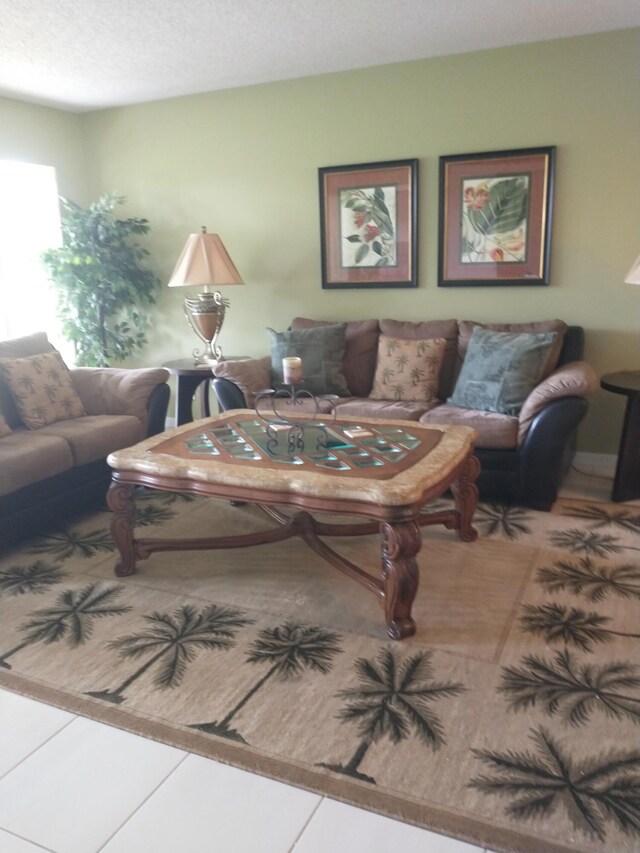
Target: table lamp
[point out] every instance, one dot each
(205, 262)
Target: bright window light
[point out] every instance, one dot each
(29, 224)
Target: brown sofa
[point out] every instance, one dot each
(47, 473)
(524, 457)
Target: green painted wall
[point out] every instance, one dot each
(244, 162)
(35, 134)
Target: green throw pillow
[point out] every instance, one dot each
(501, 369)
(321, 349)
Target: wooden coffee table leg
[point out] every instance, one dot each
(465, 493)
(120, 500)
(401, 542)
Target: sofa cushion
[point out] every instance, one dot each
(495, 431)
(363, 407)
(321, 350)
(251, 375)
(501, 369)
(447, 329)
(27, 456)
(95, 436)
(466, 327)
(407, 370)
(117, 390)
(41, 388)
(18, 348)
(360, 353)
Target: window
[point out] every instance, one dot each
(29, 224)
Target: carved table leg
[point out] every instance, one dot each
(400, 544)
(120, 500)
(465, 493)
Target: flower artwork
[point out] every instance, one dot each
(494, 220)
(368, 224)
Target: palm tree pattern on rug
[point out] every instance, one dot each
(546, 762)
(598, 790)
(391, 699)
(290, 649)
(173, 640)
(70, 619)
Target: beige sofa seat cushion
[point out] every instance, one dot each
(363, 407)
(495, 431)
(117, 391)
(95, 436)
(360, 351)
(28, 456)
(465, 330)
(447, 329)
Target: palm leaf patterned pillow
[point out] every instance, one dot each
(42, 389)
(408, 370)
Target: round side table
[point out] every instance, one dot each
(188, 377)
(626, 483)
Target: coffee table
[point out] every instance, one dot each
(379, 470)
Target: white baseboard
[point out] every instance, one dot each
(602, 464)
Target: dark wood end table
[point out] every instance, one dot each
(626, 483)
(189, 377)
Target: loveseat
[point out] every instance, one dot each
(524, 453)
(49, 471)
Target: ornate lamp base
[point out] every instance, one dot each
(205, 314)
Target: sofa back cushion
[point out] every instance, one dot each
(466, 327)
(447, 329)
(18, 348)
(360, 354)
(42, 389)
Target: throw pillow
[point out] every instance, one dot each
(251, 375)
(42, 389)
(321, 349)
(5, 429)
(501, 369)
(407, 369)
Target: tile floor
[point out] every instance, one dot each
(71, 785)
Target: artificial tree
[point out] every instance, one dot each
(100, 283)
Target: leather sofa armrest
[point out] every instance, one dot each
(575, 379)
(117, 391)
(250, 375)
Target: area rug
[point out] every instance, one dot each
(510, 720)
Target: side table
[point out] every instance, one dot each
(188, 377)
(626, 483)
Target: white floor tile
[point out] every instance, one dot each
(336, 826)
(72, 794)
(24, 726)
(12, 844)
(207, 806)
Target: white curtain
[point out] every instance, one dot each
(29, 224)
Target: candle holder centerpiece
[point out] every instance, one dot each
(287, 436)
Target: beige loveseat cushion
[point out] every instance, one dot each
(251, 375)
(495, 431)
(28, 456)
(363, 407)
(96, 436)
(117, 391)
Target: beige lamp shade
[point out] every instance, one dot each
(633, 276)
(204, 262)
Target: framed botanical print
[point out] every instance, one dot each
(368, 225)
(495, 218)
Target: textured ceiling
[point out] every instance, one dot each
(88, 54)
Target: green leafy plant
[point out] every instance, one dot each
(100, 283)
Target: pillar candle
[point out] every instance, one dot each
(292, 370)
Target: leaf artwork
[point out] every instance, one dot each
(368, 226)
(592, 793)
(495, 219)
